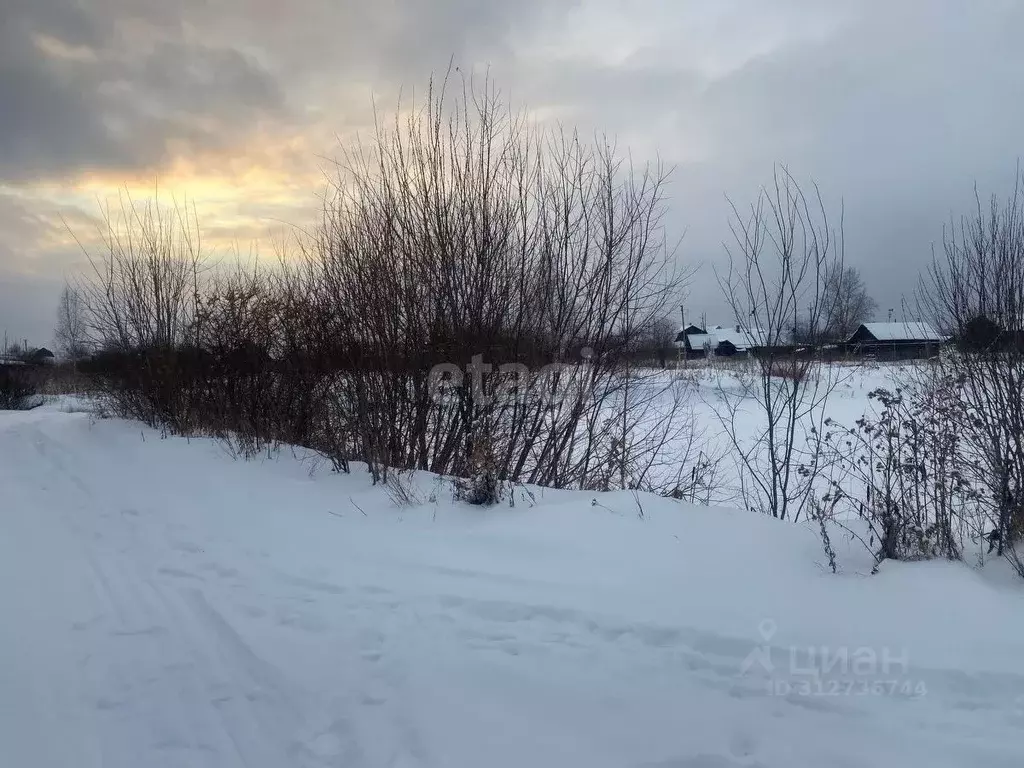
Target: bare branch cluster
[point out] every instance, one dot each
(529, 266)
(975, 291)
(783, 253)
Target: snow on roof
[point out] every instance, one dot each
(742, 339)
(903, 331)
(689, 329)
(739, 339)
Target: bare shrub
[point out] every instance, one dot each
(527, 267)
(19, 388)
(146, 281)
(906, 473)
(401, 489)
(482, 487)
(138, 308)
(795, 370)
(237, 386)
(975, 291)
(64, 378)
(696, 481)
(783, 250)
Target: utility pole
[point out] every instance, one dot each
(681, 350)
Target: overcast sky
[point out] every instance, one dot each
(896, 108)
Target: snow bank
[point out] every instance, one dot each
(165, 605)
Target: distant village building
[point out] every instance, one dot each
(883, 341)
(896, 341)
(41, 356)
(695, 342)
(722, 341)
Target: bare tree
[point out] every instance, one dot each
(783, 250)
(140, 306)
(975, 291)
(657, 343)
(145, 282)
(847, 301)
(70, 332)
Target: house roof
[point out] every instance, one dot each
(741, 339)
(905, 331)
(689, 330)
(749, 337)
(698, 340)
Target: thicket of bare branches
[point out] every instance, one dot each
(530, 263)
(473, 303)
(906, 473)
(938, 469)
(975, 291)
(139, 306)
(147, 280)
(19, 388)
(484, 299)
(784, 248)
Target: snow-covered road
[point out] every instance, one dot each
(164, 605)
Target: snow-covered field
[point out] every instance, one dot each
(700, 393)
(162, 604)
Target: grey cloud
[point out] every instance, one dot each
(896, 108)
(33, 266)
(197, 78)
(896, 116)
(116, 100)
(46, 120)
(147, 73)
(64, 19)
(397, 42)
